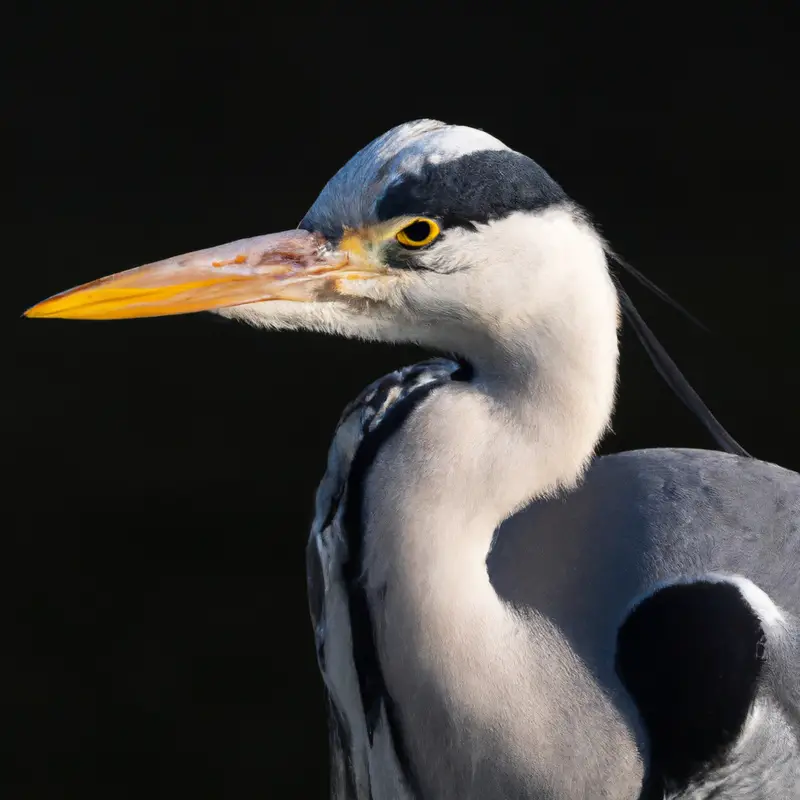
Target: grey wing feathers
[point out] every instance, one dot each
(647, 541)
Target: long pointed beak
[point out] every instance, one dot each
(294, 265)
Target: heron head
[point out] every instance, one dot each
(429, 234)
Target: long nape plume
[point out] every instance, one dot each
(665, 366)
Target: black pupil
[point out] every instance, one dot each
(418, 231)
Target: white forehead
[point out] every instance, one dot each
(350, 197)
(413, 144)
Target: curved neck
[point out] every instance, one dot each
(525, 425)
(468, 457)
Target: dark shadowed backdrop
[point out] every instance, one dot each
(158, 633)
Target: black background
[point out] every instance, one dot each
(158, 630)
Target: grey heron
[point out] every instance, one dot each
(498, 613)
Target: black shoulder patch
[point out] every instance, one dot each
(474, 188)
(691, 655)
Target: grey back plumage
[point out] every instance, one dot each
(650, 519)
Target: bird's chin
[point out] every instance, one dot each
(273, 314)
(343, 317)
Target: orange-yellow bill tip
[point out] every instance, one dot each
(289, 266)
(109, 302)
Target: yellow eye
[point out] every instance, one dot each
(418, 233)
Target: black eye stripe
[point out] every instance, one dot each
(472, 189)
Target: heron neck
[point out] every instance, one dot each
(467, 458)
(524, 426)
